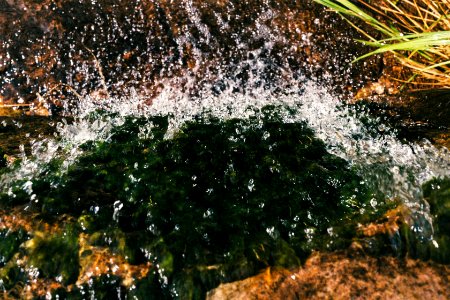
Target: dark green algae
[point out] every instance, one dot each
(437, 194)
(217, 202)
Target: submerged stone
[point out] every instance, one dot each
(10, 243)
(437, 193)
(401, 231)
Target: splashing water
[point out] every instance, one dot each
(239, 86)
(384, 161)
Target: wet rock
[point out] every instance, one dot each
(2, 158)
(99, 261)
(403, 115)
(344, 276)
(145, 213)
(11, 240)
(54, 256)
(437, 193)
(11, 111)
(399, 231)
(62, 49)
(148, 198)
(40, 258)
(23, 130)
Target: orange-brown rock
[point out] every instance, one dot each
(94, 261)
(18, 218)
(343, 276)
(390, 224)
(97, 261)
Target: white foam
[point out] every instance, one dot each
(397, 168)
(334, 123)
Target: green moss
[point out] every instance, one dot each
(2, 158)
(10, 242)
(217, 202)
(12, 275)
(437, 193)
(55, 254)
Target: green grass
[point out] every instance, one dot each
(416, 32)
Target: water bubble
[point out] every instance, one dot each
(251, 185)
(435, 244)
(309, 232)
(330, 231)
(272, 232)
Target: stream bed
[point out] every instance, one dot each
(197, 144)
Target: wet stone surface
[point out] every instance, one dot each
(344, 275)
(63, 49)
(23, 130)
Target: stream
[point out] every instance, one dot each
(197, 143)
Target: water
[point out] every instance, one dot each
(145, 167)
(338, 125)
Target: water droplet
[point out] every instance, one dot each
(435, 244)
(251, 185)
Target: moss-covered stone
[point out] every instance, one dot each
(217, 202)
(55, 255)
(437, 193)
(406, 232)
(10, 243)
(416, 234)
(12, 275)
(2, 158)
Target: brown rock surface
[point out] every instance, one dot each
(344, 276)
(139, 43)
(60, 51)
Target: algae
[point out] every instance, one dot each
(437, 193)
(218, 201)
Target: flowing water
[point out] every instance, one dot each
(137, 170)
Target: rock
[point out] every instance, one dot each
(54, 255)
(199, 228)
(49, 43)
(10, 111)
(397, 232)
(344, 276)
(437, 193)
(3, 160)
(39, 258)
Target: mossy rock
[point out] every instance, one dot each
(437, 193)
(2, 158)
(239, 195)
(435, 243)
(55, 255)
(10, 241)
(11, 275)
(415, 233)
